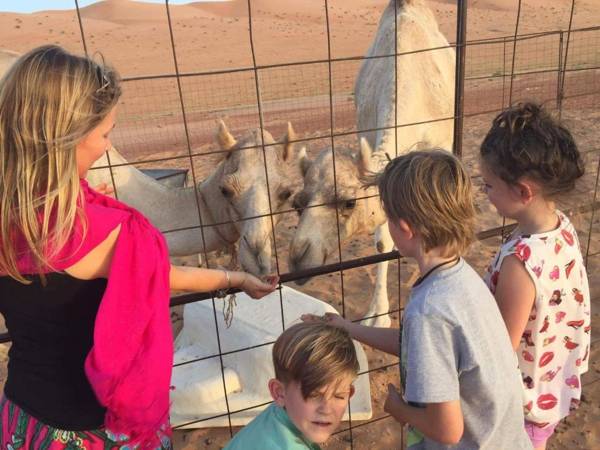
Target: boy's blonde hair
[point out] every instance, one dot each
(314, 355)
(431, 190)
(50, 100)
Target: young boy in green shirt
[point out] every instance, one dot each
(315, 365)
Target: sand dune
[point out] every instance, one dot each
(232, 8)
(128, 11)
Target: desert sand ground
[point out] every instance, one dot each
(215, 37)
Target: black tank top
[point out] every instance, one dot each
(52, 328)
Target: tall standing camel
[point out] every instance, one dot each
(233, 200)
(424, 91)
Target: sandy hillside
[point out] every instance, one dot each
(135, 38)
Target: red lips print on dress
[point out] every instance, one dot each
(575, 323)
(567, 236)
(546, 401)
(546, 358)
(522, 251)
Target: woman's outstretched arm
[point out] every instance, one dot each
(205, 280)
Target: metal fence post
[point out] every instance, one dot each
(560, 73)
(459, 80)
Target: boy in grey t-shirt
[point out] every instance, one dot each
(458, 370)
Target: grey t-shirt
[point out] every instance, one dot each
(455, 346)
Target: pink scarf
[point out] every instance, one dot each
(129, 365)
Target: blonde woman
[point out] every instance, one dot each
(84, 279)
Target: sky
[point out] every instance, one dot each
(27, 6)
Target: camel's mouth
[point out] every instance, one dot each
(302, 281)
(298, 267)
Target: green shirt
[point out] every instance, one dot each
(272, 429)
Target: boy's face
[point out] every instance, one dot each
(402, 236)
(319, 415)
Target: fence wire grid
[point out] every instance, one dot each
(178, 111)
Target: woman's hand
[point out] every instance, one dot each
(104, 189)
(331, 318)
(258, 287)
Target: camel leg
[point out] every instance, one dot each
(379, 303)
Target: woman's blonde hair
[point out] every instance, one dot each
(49, 101)
(432, 191)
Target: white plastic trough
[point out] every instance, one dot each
(198, 392)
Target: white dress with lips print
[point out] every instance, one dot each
(554, 348)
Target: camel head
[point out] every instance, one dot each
(252, 183)
(317, 235)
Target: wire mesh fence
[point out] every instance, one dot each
(169, 120)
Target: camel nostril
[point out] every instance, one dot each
(298, 256)
(305, 249)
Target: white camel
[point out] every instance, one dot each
(233, 200)
(424, 91)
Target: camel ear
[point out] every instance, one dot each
(303, 161)
(288, 144)
(364, 158)
(224, 138)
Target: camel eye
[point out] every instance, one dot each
(350, 204)
(299, 203)
(227, 192)
(284, 195)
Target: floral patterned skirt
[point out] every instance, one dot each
(19, 430)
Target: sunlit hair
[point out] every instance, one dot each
(432, 192)
(49, 101)
(525, 141)
(314, 355)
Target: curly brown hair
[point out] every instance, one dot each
(525, 141)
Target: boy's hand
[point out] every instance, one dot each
(331, 318)
(394, 403)
(104, 189)
(258, 287)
